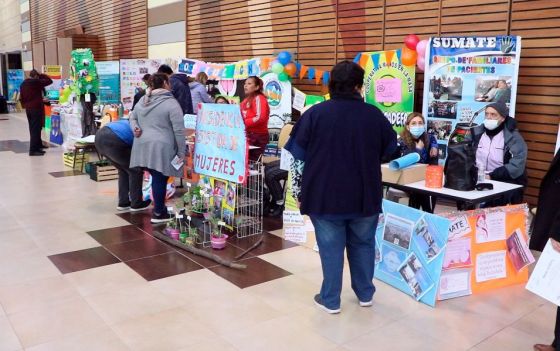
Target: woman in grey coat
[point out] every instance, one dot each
(157, 122)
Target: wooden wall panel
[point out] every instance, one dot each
(538, 95)
(120, 25)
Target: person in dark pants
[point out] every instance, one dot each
(32, 100)
(179, 86)
(114, 141)
(338, 146)
(547, 226)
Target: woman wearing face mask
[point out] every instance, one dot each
(415, 138)
(255, 111)
(501, 151)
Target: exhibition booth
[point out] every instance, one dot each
(427, 256)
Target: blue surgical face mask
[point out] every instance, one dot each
(417, 131)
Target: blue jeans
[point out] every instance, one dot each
(358, 237)
(159, 189)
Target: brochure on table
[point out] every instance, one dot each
(487, 249)
(389, 85)
(463, 75)
(410, 248)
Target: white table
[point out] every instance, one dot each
(473, 197)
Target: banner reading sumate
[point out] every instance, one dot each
(463, 75)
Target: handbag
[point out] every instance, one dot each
(460, 167)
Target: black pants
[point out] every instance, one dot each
(426, 202)
(556, 342)
(35, 119)
(117, 151)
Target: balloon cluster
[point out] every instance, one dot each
(414, 52)
(284, 67)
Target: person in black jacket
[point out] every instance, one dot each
(179, 88)
(32, 100)
(340, 143)
(547, 226)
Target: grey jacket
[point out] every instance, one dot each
(199, 94)
(160, 118)
(515, 154)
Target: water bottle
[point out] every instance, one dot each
(481, 174)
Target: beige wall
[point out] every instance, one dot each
(10, 25)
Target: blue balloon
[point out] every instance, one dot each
(284, 57)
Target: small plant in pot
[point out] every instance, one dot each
(173, 229)
(217, 238)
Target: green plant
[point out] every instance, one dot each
(215, 226)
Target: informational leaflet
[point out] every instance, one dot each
(490, 265)
(297, 234)
(545, 280)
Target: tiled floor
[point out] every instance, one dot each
(76, 276)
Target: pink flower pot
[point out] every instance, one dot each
(174, 234)
(218, 243)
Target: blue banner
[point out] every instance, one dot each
(109, 82)
(463, 75)
(410, 248)
(15, 78)
(221, 147)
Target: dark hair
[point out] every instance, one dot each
(146, 77)
(157, 80)
(221, 97)
(33, 73)
(165, 69)
(346, 76)
(259, 83)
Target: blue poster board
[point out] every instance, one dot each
(109, 82)
(410, 248)
(221, 149)
(15, 78)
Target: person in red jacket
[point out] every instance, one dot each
(255, 111)
(32, 100)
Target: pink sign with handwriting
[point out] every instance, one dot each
(388, 90)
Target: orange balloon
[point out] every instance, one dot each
(290, 69)
(408, 57)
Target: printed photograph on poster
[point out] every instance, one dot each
(493, 89)
(518, 251)
(458, 253)
(398, 231)
(425, 241)
(490, 226)
(390, 260)
(440, 129)
(442, 151)
(227, 216)
(446, 87)
(219, 188)
(490, 265)
(416, 276)
(454, 283)
(230, 199)
(377, 255)
(442, 109)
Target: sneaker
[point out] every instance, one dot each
(160, 218)
(143, 205)
(366, 303)
(36, 153)
(319, 304)
(123, 207)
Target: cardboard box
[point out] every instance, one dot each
(406, 175)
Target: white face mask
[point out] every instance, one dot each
(491, 124)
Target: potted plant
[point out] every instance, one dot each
(217, 238)
(172, 230)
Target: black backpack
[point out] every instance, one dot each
(460, 167)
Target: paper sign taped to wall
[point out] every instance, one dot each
(388, 90)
